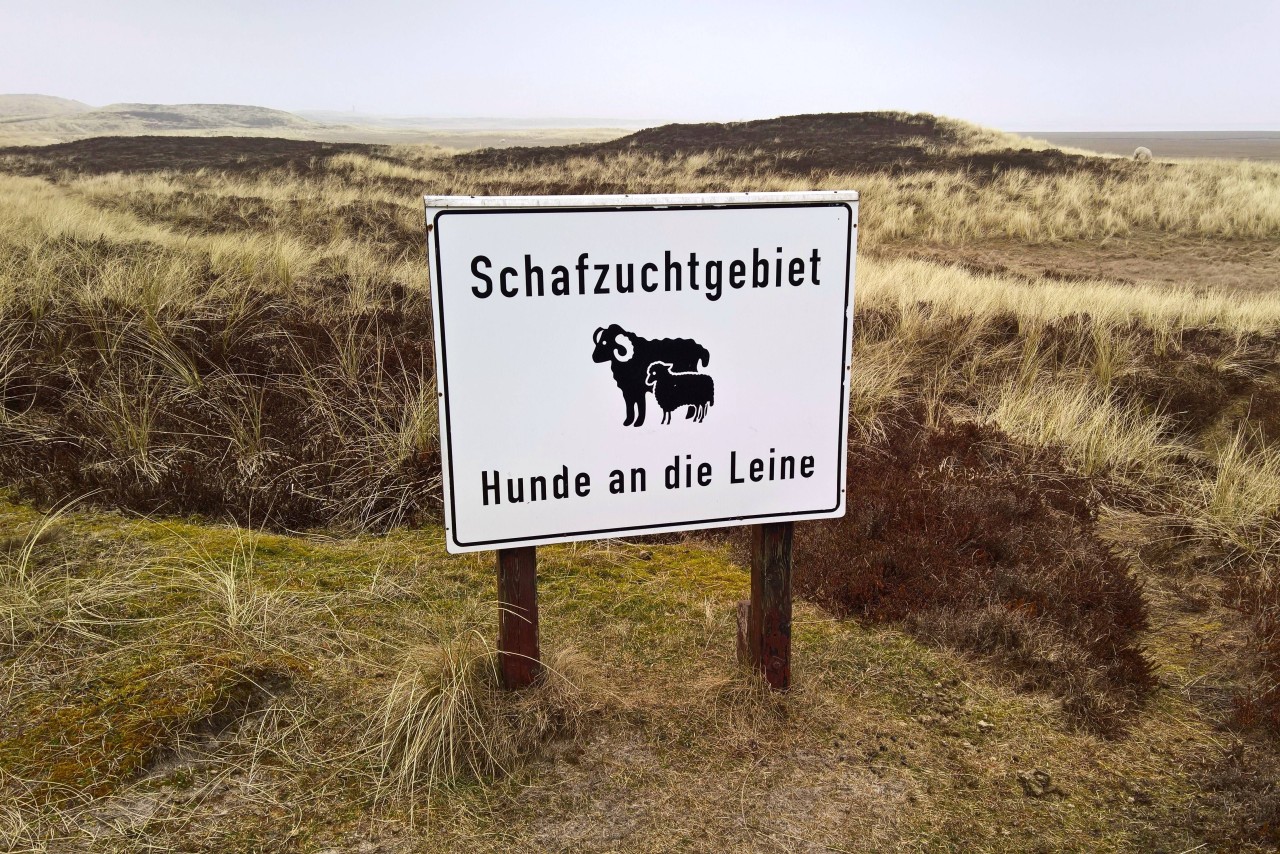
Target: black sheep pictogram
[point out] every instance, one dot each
(674, 389)
(630, 356)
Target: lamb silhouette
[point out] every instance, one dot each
(674, 389)
(630, 357)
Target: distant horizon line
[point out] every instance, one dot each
(631, 121)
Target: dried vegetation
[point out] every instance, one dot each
(980, 546)
(1063, 542)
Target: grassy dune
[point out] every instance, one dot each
(245, 634)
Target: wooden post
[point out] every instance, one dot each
(764, 624)
(518, 656)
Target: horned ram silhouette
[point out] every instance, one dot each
(630, 356)
(674, 389)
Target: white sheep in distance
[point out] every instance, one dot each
(1142, 154)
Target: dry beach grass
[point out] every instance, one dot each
(246, 633)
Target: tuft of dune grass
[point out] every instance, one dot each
(446, 718)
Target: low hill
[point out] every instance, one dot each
(134, 119)
(805, 145)
(38, 106)
(799, 146)
(162, 117)
(34, 120)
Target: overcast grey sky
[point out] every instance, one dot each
(1013, 64)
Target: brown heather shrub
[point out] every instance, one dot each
(977, 544)
(1202, 375)
(268, 414)
(1257, 595)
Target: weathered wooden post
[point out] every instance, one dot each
(519, 662)
(764, 622)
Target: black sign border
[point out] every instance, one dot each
(443, 394)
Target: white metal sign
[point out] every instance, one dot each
(612, 366)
